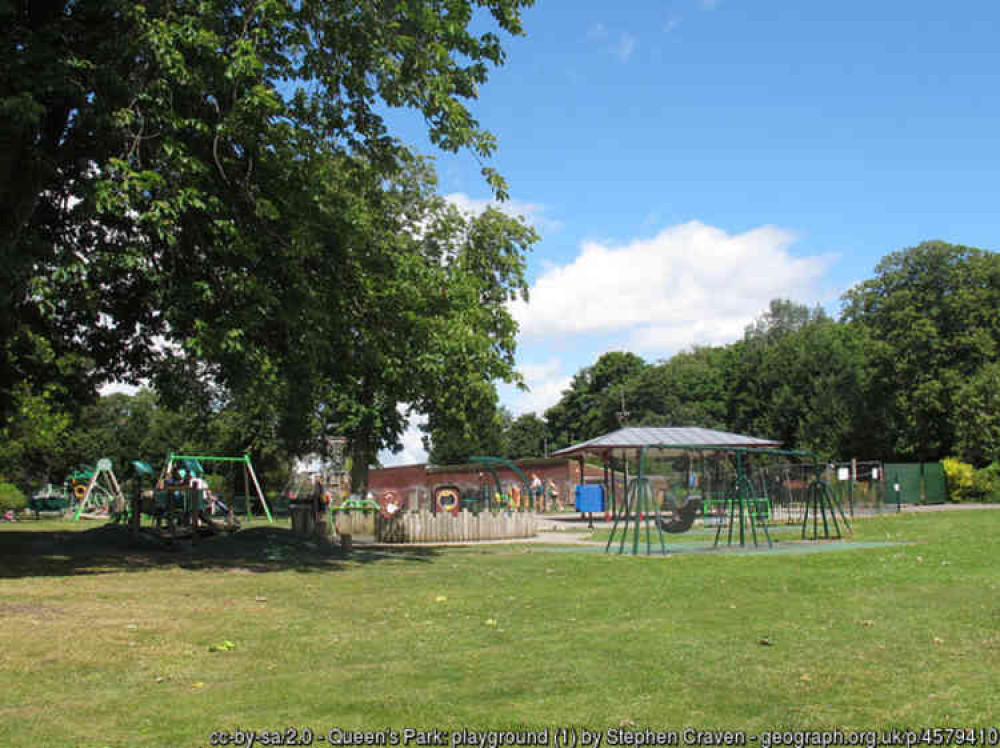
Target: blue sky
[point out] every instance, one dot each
(687, 161)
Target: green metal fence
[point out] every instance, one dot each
(935, 490)
(903, 483)
(915, 483)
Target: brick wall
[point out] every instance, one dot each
(416, 483)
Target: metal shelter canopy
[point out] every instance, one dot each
(682, 438)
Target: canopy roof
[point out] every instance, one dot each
(638, 437)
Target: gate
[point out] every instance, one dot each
(935, 491)
(919, 482)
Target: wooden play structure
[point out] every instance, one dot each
(180, 504)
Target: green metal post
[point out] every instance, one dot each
(805, 510)
(740, 479)
(614, 529)
(636, 514)
(822, 507)
(629, 493)
(850, 485)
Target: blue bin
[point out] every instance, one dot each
(590, 498)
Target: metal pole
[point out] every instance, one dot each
(260, 493)
(607, 493)
(850, 491)
(625, 472)
(740, 483)
(246, 494)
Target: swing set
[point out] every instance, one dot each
(97, 491)
(740, 503)
(186, 506)
(251, 486)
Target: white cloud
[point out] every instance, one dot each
(532, 213)
(709, 4)
(413, 451)
(689, 284)
(112, 388)
(546, 381)
(626, 46)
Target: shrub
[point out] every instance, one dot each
(960, 478)
(11, 498)
(986, 483)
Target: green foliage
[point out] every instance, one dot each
(930, 324)
(591, 404)
(960, 478)
(783, 317)
(11, 498)
(910, 372)
(476, 429)
(34, 442)
(220, 176)
(686, 390)
(803, 386)
(525, 437)
(986, 483)
(977, 416)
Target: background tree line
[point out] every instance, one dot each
(910, 371)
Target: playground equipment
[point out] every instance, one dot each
(96, 492)
(684, 515)
(491, 464)
(447, 499)
(51, 499)
(176, 508)
(251, 486)
(740, 503)
(180, 503)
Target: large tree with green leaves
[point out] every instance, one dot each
(977, 411)
(211, 185)
(527, 436)
(930, 322)
(590, 406)
(804, 387)
(685, 390)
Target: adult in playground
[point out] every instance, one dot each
(317, 493)
(538, 491)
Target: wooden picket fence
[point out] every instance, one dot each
(425, 527)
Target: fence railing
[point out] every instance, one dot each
(425, 527)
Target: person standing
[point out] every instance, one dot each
(538, 491)
(553, 494)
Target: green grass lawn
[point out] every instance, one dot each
(107, 645)
(702, 535)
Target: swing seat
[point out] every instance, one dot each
(683, 516)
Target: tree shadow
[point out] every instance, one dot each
(109, 549)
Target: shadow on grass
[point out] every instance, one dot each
(109, 549)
